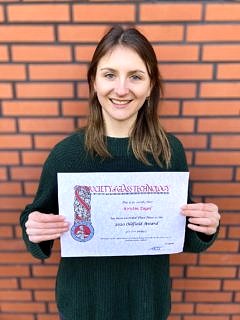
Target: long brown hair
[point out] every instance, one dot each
(147, 135)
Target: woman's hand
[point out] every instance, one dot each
(41, 226)
(202, 217)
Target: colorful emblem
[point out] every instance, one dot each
(82, 229)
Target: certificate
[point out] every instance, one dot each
(122, 213)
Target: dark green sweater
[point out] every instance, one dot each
(107, 288)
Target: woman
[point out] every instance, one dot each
(124, 135)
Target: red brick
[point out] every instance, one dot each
(186, 71)
(9, 157)
(47, 142)
(219, 125)
(83, 91)
(15, 141)
(211, 272)
(44, 53)
(25, 173)
(84, 52)
(48, 317)
(183, 259)
(8, 283)
(15, 295)
(58, 72)
(39, 13)
(221, 90)
(44, 90)
(45, 271)
(3, 174)
(224, 246)
(196, 285)
(223, 158)
(182, 308)
(5, 90)
(206, 317)
(44, 295)
(176, 271)
(23, 307)
(17, 258)
(211, 174)
(34, 157)
(6, 232)
(205, 188)
(234, 232)
(170, 12)
(162, 33)
(228, 71)
(22, 316)
(176, 296)
(223, 52)
(104, 13)
(180, 90)
(14, 203)
(9, 217)
(204, 108)
(10, 188)
(179, 53)
(223, 308)
(1, 14)
(12, 72)
(225, 142)
(225, 203)
(205, 296)
(29, 108)
(193, 141)
(4, 53)
(82, 122)
(39, 283)
(14, 271)
(75, 108)
(168, 108)
(223, 12)
(178, 125)
(231, 285)
(85, 33)
(7, 125)
(210, 32)
(238, 174)
(27, 33)
(50, 125)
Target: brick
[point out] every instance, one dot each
(231, 285)
(204, 188)
(1, 14)
(9, 157)
(4, 53)
(225, 259)
(211, 272)
(3, 174)
(169, 108)
(82, 122)
(84, 52)
(182, 308)
(180, 90)
(210, 32)
(29, 108)
(39, 283)
(178, 125)
(224, 246)
(75, 108)
(44, 295)
(58, 72)
(44, 53)
(39, 13)
(225, 142)
(14, 203)
(104, 13)
(223, 12)
(206, 317)
(6, 232)
(23, 307)
(219, 125)
(12, 72)
(44, 90)
(162, 33)
(211, 174)
(193, 141)
(47, 142)
(221, 52)
(211, 108)
(48, 317)
(228, 71)
(83, 91)
(176, 271)
(17, 258)
(25, 173)
(176, 296)
(183, 259)
(15, 141)
(45, 271)
(205, 296)
(238, 174)
(21, 33)
(10, 188)
(196, 285)
(5, 90)
(34, 157)
(22, 316)
(220, 90)
(8, 283)
(170, 12)
(179, 53)
(9, 217)
(7, 125)
(188, 71)
(50, 125)
(75, 33)
(234, 232)
(14, 271)
(225, 203)
(225, 308)
(15, 295)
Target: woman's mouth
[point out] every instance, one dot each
(120, 102)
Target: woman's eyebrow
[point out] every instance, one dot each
(130, 72)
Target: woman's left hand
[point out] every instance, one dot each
(202, 217)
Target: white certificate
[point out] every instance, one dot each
(123, 213)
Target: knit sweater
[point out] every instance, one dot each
(107, 288)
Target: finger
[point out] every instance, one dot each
(200, 207)
(46, 225)
(41, 238)
(201, 214)
(209, 230)
(44, 217)
(33, 231)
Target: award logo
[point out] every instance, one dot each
(82, 229)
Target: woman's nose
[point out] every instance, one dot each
(121, 88)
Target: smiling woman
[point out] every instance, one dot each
(123, 135)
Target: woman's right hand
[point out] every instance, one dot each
(41, 226)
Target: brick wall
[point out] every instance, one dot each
(44, 50)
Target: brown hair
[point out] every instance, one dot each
(147, 135)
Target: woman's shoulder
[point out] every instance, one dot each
(73, 140)
(174, 142)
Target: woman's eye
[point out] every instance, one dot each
(109, 75)
(136, 77)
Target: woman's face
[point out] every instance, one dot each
(122, 85)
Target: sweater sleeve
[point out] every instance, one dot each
(46, 201)
(194, 241)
